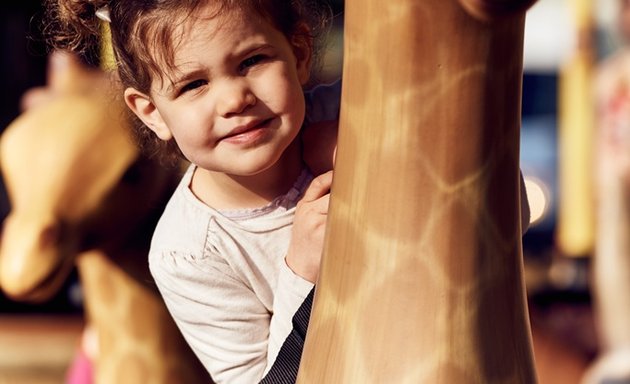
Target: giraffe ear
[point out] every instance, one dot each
(142, 105)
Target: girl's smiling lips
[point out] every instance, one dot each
(249, 133)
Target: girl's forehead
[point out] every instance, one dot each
(210, 23)
(211, 32)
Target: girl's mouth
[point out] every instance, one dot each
(250, 134)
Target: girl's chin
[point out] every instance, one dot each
(255, 161)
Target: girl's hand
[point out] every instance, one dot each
(320, 145)
(307, 238)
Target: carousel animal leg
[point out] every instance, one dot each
(611, 261)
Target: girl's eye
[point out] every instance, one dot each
(250, 62)
(192, 85)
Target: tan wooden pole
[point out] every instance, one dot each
(421, 280)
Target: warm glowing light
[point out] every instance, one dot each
(538, 196)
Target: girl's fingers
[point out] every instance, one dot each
(319, 187)
(321, 204)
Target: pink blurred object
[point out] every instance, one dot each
(80, 371)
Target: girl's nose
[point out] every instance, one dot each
(234, 96)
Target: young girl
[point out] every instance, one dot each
(237, 249)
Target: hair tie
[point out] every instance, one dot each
(103, 14)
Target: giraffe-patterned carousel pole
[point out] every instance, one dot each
(421, 280)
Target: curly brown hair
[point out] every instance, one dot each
(138, 26)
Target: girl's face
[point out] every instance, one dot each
(234, 102)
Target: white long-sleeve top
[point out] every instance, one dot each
(222, 276)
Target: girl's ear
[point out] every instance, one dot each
(146, 111)
(302, 44)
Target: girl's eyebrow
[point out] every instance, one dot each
(184, 77)
(251, 48)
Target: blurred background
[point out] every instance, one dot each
(565, 43)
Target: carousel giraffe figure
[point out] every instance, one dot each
(421, 279)
(81, 194)
(611, 261)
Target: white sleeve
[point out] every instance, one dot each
(291, 292)
(225, 324)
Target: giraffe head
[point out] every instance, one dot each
(60, 160)
(36, 258)
(491, 9)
